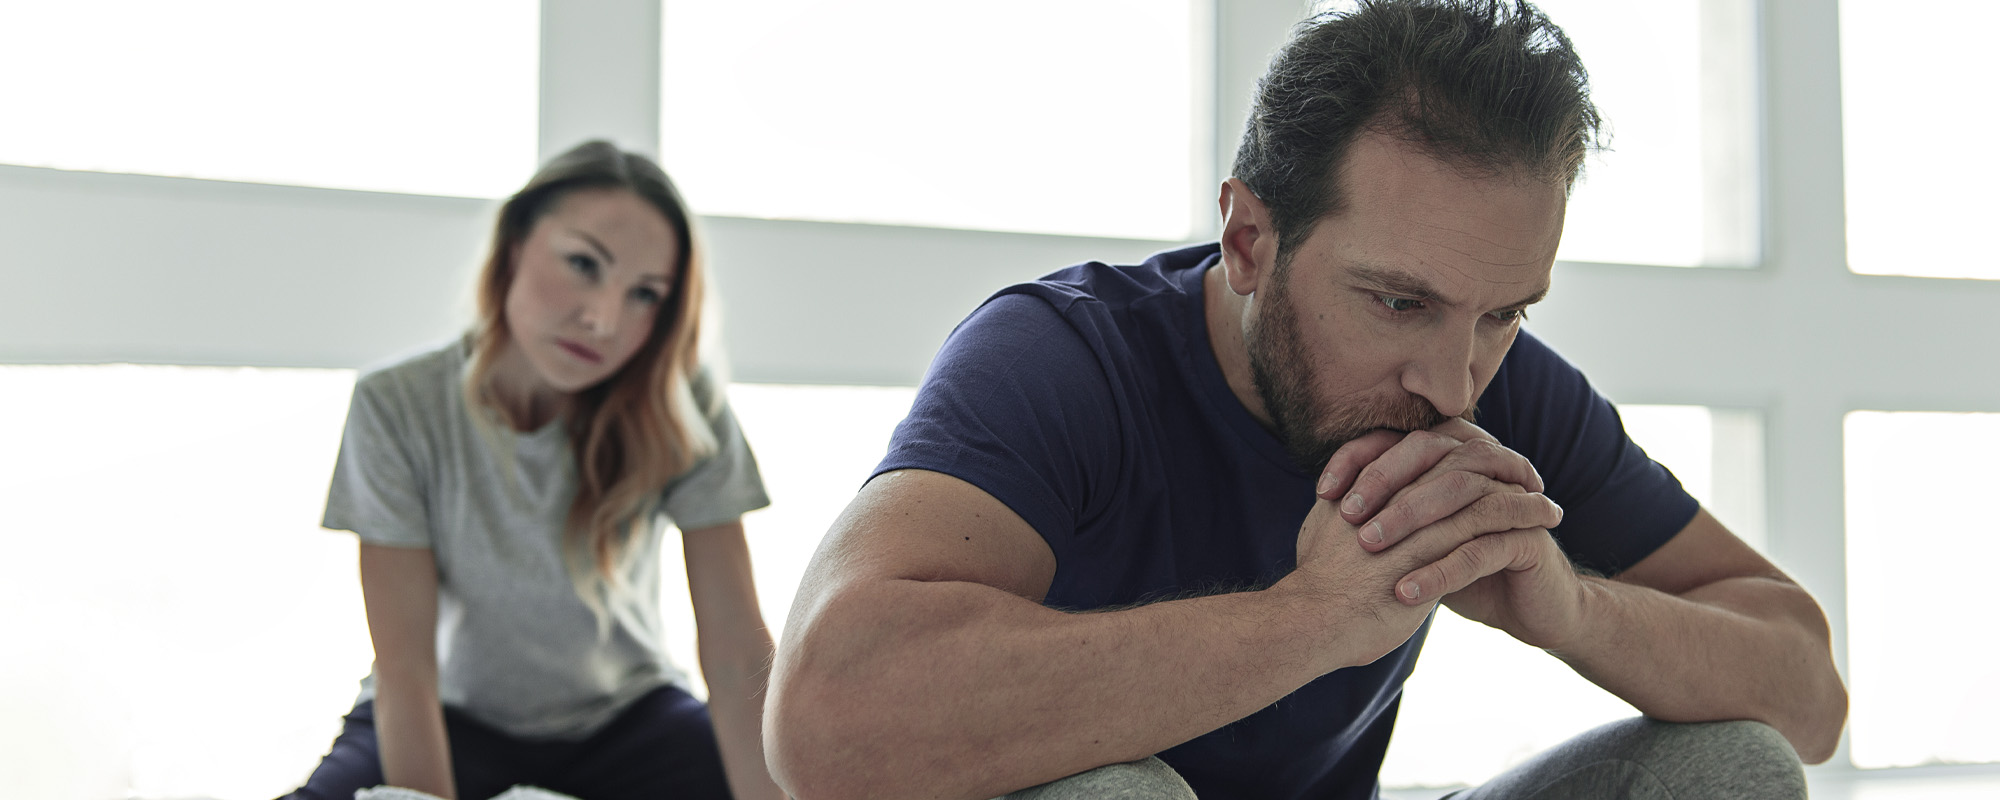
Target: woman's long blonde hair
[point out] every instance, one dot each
(639, 428)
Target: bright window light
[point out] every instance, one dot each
(1920, 539)
(436, 97)
(195, 633)
(1675, 82)
(1045, 116)
(1909, 215)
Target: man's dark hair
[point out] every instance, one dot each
(1484, 85)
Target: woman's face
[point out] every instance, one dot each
(588, 282)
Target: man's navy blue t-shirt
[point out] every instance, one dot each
(1090, 403)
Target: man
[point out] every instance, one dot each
(1260, 464)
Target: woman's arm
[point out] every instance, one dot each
(735, 652)
(399, 586)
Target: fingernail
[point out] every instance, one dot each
(1411, 591)
(1372, 533)
(1327, 483)
(1353, 504)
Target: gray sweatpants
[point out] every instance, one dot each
(1637, 759)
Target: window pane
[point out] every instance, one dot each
(1674, 81)
(1921, 539)
(195, 634)
(1908, 214)
(429, 98)
(964, 115)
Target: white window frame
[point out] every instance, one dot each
(129, 268)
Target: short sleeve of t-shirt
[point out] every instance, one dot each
(725, 485)
(1011, 402)
(1618, 504)
(379, 485)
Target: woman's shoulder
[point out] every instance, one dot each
(429, 364)
(427, 378)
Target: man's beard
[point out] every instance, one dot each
(1283, 373)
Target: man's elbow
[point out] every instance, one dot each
(817, 738)
(1810, 704)
(1823, 715)
(810, 744)
(1820, 733)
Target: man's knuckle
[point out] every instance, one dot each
(1478, 551)
(1493, 502)
(1499, 511)
(1469, 562)
(1525, 510)
(1460, 483)
(1438, 574)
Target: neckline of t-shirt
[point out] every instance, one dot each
(1210, 386)
(554, 430)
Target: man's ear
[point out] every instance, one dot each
(1249, 242)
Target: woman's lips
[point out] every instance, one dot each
(581, 352)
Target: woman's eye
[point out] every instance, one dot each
(583, 263)
(1401, 304)
(648, 296)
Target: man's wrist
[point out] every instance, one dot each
(1307, 619)
(1596, 611)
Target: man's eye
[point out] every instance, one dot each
(583, 263)
(1511, 315)
(1401, 304)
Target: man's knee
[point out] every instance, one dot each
(1644, 759)
(1145, 779)
(1756, 750)
(1733, 758)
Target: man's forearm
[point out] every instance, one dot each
(950, 689)
(1740, 648)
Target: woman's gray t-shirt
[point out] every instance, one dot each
(517, 648)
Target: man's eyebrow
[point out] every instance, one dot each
(1398, 281)
(602, 251)
(1531, 299)
(1403, 283)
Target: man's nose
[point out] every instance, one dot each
(1442, 371)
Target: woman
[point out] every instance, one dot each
(509, 490)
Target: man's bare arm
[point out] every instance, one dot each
(1706, 629)
(918, 661)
